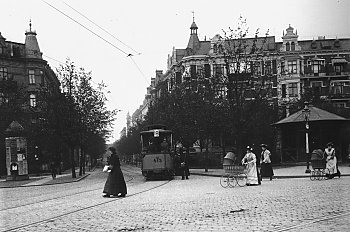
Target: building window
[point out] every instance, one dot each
(316, 87)
(31, 75)
(193, 71)
(340, 87)
(338, 68)
(287, 46)
(292, 46)
(215, 48)
(32, 100)
(3, 73)
(219, 69)
(292, 66)
(293, 89)
(284, 92)
(207, 70)
(316, 66)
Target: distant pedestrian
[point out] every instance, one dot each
(331, 160)
(265, 161)
(252, 172)
(185, 171)
(53, 170)
(115, 184)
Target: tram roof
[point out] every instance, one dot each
(152, 131)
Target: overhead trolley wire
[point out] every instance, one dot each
(101, 28)
(127, 54)
(86, 28)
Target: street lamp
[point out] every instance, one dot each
(306, 113)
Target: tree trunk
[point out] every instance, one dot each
(72, 162)
(206, 156)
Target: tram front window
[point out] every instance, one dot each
(152, 144)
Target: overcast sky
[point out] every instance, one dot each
(152, 28)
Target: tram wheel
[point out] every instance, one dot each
(241, 179)
(224, 181)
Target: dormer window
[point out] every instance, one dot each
(292, 46)
(215, 48)
(313, 44)
(336, 43)
(287, 46)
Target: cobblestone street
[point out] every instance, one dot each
(197, 204)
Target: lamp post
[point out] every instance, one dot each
(306, 113)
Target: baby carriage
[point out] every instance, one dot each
(318, 163)
(234, 173)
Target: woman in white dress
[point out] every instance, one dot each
(250, 160)
(331, 160)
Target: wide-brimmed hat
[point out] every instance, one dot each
(249, 148)
(263, 145)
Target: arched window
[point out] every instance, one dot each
(292, 46)
(32, 100)
(287, 46)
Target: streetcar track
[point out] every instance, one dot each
(84, 208)
(58, 197)
(325, 218)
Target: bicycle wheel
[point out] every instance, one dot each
(241, 179)
(231, 181)
(224, 181)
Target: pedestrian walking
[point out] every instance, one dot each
(185, 171)
(53, 170)
(115, 184)
(252, 172)
(331, 161)
(265, 162)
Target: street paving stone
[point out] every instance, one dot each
(197, 204)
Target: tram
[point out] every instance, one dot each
(156, 152)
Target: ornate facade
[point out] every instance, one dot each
(23, 72)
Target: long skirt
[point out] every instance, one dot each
(115, 183)
(266, 170)
(332, 165)
(252, 174)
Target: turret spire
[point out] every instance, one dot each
(31, 43)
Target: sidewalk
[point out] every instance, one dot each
(279, 171)
(66, 177)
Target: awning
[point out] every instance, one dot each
(316, 114)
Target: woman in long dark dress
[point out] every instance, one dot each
(265, 161)
(115, 184)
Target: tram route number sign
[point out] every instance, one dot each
(157, 160)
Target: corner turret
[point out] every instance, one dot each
(31, 44)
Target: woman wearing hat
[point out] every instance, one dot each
(115, 184)
(265, 161)
(331, 160)
(252, 173)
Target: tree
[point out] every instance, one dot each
(250, 72)
(88, 115)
